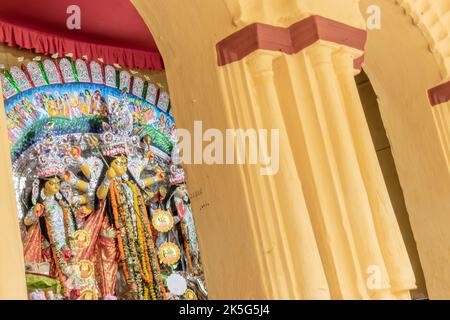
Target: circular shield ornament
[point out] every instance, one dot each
(162, 221)
(169, 253)
(82, 239)
(85, 269)
(176, 284)
(88, 294)
(190, 295)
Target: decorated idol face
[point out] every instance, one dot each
(52, 186)
(119, 165)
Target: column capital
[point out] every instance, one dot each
(320, 54)
(289, 40)
(260, 63)
(344, 61)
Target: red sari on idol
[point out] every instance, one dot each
(94, 260)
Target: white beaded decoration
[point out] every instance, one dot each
(66, 70)
(152, 92)
(96, 72)
(110, 75)
(82, 70)
(36, 74)
(51, 72)
(20, 78)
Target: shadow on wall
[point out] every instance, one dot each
(387, 164)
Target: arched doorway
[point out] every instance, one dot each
(51, 104)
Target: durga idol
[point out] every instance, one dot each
(51, 226)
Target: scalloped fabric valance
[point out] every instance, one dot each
(111, 30)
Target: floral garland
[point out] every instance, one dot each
(135, 254)
(145, 263)
(128, 247)
(150, 255)
(134, 251)
(113, 192)
(138, 249)
(154, 260)
(141, 234)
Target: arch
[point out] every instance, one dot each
(430, 17)
(198, 98)
(250, 86)
(405, 58)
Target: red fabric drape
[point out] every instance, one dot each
(46, 43)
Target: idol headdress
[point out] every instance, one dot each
(117, 137)
(51, 160)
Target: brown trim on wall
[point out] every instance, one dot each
(289, 40)
(439, 94)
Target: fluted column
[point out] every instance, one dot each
(346, 171)
(387, 229)
(291, 214)
(361, 246)
(287, 247)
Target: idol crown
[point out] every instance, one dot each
(51, 161)
(117, 135)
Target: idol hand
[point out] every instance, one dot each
(38, 210)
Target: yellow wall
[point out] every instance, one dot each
(186, 39)
(401, 68)
(258, 234)
(384, 153)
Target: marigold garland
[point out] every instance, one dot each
(141, 234)
(152, 245)
(127, 220)
(141, 249)
(119, 236)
